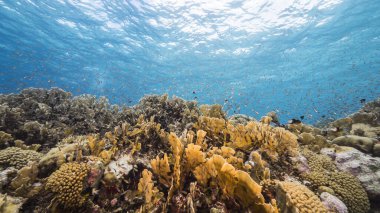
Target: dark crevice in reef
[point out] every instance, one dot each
(60, 153)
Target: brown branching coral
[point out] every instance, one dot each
(68, 183)
(174, 114)
(5, 139)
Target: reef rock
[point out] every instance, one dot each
(369, 114)
(365, 130)
(9, 204)
(332, 203)
(365, 167)
(240, 119)
(121, 166)
(6, 176)
(362, 143)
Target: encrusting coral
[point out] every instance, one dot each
(17, 157)
(344, 185)
(68, 183)
(293, 197)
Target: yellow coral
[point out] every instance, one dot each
(146, 186)
(275, 141)
(294, 197)
(233, 182)
(96, 146)
(212, 126)
(68, 183)
(266, 120)
(260, 169)
(194, 156)
(177, 149)
(214, 111)
(200, 137)
(161, 167)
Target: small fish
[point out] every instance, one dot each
(302, 117)
(194, 92)
(362, 101)
(294, 121)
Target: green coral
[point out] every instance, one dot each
(68, 184)
(17, 157)
(345, 186)
(319, 162)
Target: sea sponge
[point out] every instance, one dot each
(17, 157)
(294, 197)
(68, 183)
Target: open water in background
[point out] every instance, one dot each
(316, 58)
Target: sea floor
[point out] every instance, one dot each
(64, 153)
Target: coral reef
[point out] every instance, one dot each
(17, 157)
(345, 186)
(9, 204)
(333, 203)
(295, 197)
(173, 114)
(68, 184)
(47, 116)
(60, 153)
(363, 166)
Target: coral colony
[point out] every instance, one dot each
(61, 153)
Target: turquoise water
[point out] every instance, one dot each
(316, 59)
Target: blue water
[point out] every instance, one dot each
(313, 58)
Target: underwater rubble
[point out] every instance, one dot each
(64, 153)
